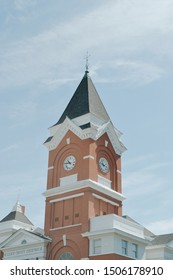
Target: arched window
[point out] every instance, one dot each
(23, 241)
(66, 256)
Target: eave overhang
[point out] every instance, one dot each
(94, 131)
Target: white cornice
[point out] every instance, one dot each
(14, 224)
(94, 234)
(66, 197)
(105, 200)
(22, 232)
(79, 185)
(159, 246)
(115, 224)
(94, 132)
(88, 118)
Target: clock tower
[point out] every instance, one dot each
(84, 173)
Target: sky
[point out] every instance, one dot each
(43, 45)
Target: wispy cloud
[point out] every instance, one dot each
(130, 43)
(9, 148)
(23, 110)
(161, 226)
(23, 4)
(143, 178)
(147, 189)
(134, 70)
(133, 73)
(58, 82)
(23, 182)
(57, 52)
(139, 160)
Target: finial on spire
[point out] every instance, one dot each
(18, 207)
(87, 63)
(18, 195)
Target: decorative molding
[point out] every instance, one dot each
(75, 225)
(64, 238)
(79, 185)
(68, 141)
(117, 222)
(88, 118)
(106, 143)
(103, 181)
(51, 167)
(112, 223)
(66, 197)
(94, 132)
(105, 200)
(89, 156)
(24, 252)
(14, 225)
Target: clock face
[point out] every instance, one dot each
(69, 162)
(104, 165)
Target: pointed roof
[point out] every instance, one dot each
(85, 100)
(162, 239)
(18, 207)
(17, 214)
(85, 111)
(146, 231)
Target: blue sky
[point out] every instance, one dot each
(42, 60)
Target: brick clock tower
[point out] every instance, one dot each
(84, 173)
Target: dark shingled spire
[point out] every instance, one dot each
(15, 215)
(85, 100)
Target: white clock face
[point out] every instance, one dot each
(69, 162)
(104, 165)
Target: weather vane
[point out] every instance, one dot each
(87, 63)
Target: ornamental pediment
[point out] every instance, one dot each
(21, 238)
(92, 131)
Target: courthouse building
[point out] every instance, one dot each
(19, 238)
(84, 197)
